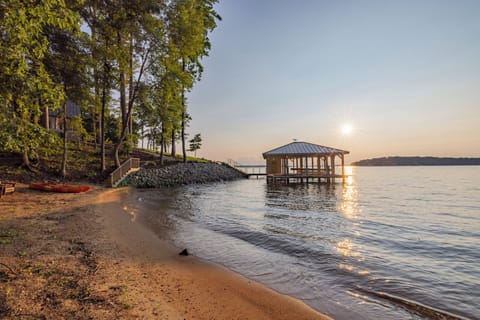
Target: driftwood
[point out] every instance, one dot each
(6, 188)
(9, 268)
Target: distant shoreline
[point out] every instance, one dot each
(416, 161)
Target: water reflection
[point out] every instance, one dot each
(302, 197)
(315, 197)
(336, 246)
(348, 205)
(345, 248)
(313, 212)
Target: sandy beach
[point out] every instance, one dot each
(84, 256)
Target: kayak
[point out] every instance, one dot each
(63, 188)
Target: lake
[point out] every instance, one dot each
(391, 243)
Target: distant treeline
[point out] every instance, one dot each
(418, 161)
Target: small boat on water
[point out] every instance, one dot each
(63, 188)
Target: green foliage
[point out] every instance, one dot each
(76, 125)
(112, 128)
(25, 137)
(195, 143)
(149, 51)
(178, 66)
(7, 236)
(25, 85)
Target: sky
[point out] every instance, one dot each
(405, 75)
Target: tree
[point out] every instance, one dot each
(25, 84)
(104, 19)
(141, 23)
(190, 21)
(195, 143)
(66, 62)
(145, 52)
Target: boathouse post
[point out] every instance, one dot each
(318, 168)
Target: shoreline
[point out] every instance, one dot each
(93, 260)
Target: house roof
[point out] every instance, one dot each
(73, 110)
(303, 149)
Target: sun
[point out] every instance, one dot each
(347, 129)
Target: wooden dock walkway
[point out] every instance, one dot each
(258, 174)
(294, 175)
(250, 170)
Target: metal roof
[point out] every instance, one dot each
(303, 149)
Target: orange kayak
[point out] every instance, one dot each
(63, 188)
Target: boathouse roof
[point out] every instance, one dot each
(298, 148)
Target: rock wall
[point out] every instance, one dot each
(181, 174)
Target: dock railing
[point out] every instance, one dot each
(310, 171)
(131, 164)
(250, 170)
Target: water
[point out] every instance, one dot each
(393, 243)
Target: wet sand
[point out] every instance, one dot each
(95, 260)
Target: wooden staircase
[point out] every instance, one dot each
(129, 166)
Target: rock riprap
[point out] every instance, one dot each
(181, 174)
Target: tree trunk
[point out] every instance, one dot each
(130, 109)
(94, 112)
(96, 81)
(65, 147)
(26, 160)
(184, 150)
(103, 165)
(106, 72)
(47, 118)
(130, 86)
(162, 146)
(173, 143)
(184, 111)
(123, 85)
(130, 131)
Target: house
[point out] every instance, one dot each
(55, 118)
(304, 162)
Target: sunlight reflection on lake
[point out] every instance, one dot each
(408, 232)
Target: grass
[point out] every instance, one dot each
(83, 164)
(192, 159)
(7, 236)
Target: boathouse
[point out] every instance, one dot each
(304, 162)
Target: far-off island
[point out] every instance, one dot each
(417, 161)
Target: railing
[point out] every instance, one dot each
(125, 168)
(248, 169)
(232, 163)
(253, 169)
(310, 171)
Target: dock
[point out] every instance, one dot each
(252, 170)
